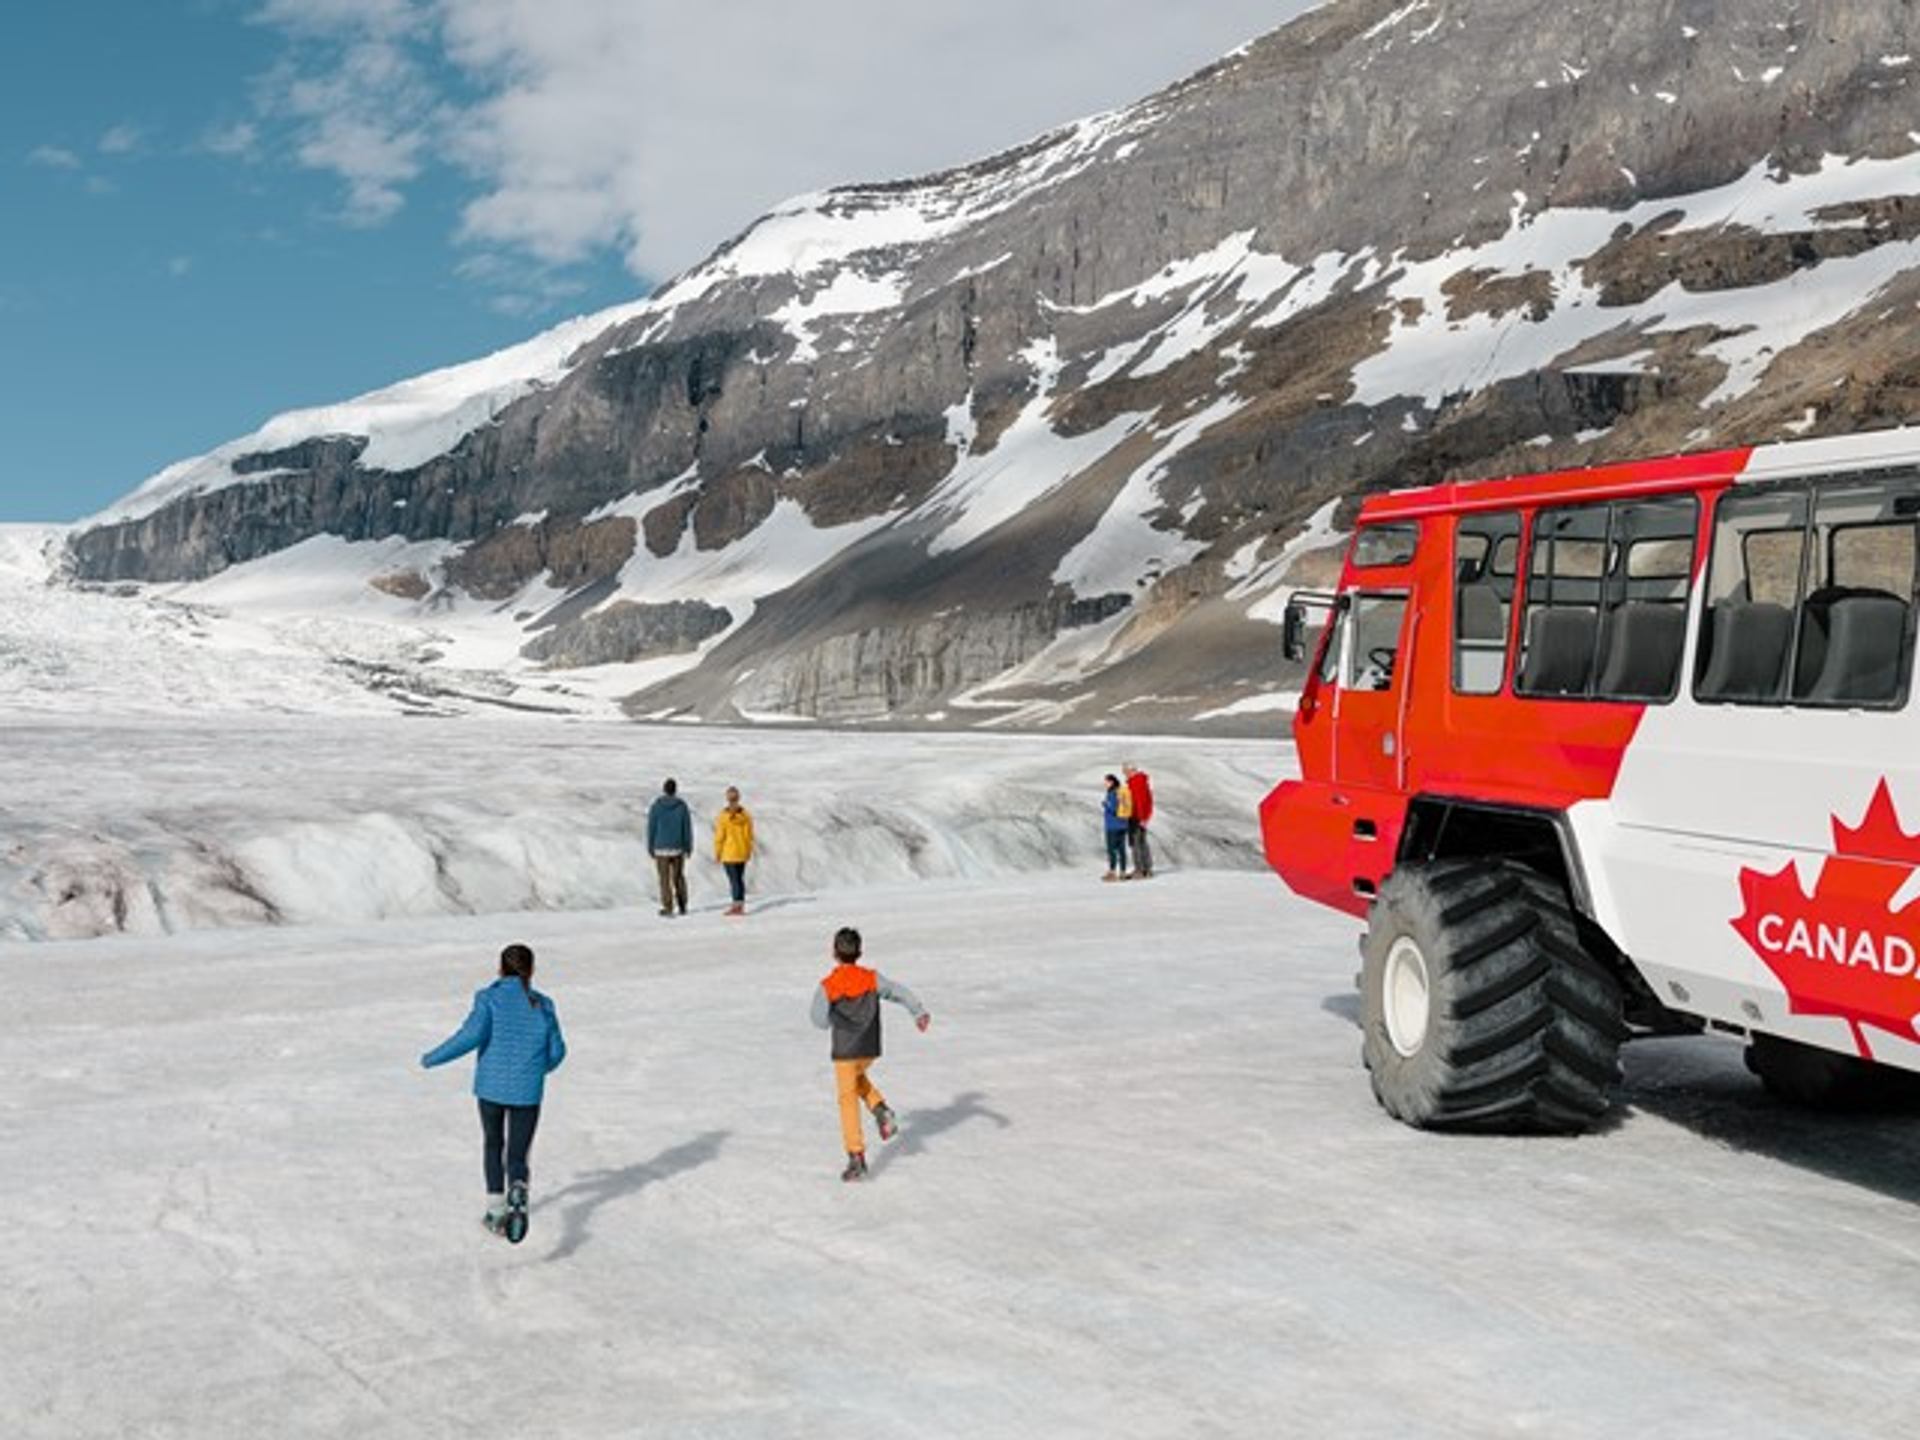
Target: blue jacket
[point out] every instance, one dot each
(1110, 809)
(518, 1043)
(669, 826)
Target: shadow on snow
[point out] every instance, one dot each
(1703, 1085)
(581, 1201)
(920, 1126)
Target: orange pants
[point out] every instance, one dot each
(850, 1079)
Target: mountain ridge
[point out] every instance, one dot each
(1019, 441)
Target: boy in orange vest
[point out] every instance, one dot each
(848, 1003)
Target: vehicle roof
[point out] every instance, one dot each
(1704, 470)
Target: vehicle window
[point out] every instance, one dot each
(1376, 546)
(1754, 570)
(1643, 618)
(1607, 600)
(1669, 559)
(1561, 629)
(1374, 655)
(1483, 600)
(1772, 560)
(1811, 592)
(1331, 645)
(1873, 556)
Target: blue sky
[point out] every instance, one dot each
(158, 299)
(215, 210)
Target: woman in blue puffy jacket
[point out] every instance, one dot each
(1116, 809)
(517, 1032)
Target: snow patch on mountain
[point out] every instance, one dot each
(1429, 355)
(1263, 582)
(1031, 461)
(405, 425)
(1126, 549)
(850, 294)
(832, 228)
(1223, 287)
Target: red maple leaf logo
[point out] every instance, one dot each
(1844, 950)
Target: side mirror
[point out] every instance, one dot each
(1294, 627)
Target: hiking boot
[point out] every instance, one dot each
(883, 1117)
(666, 914)
(736, 909)
(856, 1167)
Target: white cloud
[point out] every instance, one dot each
(374, 160)
(120, 140)
(520, 289)
(241, 138)
(386, 18)
(54, 157)
(362, 107)
(662, 130)
(656, 131)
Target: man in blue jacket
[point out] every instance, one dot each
(670, 841)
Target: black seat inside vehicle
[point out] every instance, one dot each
(1560, 644)
(1748, 651)
(1644, 643)
(1482, 615)
(1860, 664)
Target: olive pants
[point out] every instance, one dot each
(673, 880)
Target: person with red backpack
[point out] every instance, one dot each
(847, 1002)
(1140, 788)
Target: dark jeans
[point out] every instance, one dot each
(509, 1131)
(1142, 849)
(1116, 850)
(737, 880)
(673, 880)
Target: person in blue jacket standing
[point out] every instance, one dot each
(670, 841)
(517, 1032)
(1116, 811)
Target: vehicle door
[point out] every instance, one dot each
(1370, 700)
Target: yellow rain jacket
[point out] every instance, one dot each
(733, 837)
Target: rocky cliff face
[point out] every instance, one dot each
(1043, 435)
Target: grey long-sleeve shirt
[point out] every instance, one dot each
(854, 1019)
(822, 1014)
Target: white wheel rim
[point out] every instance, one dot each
(1405, 996)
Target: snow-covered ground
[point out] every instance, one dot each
(1140, 1190)
(151, 826)
(220, 649)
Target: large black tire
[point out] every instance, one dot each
(1823, 1080)
(1521, 1029)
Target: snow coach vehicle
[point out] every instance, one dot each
(1621, 751)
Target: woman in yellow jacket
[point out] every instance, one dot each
(733, 847)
